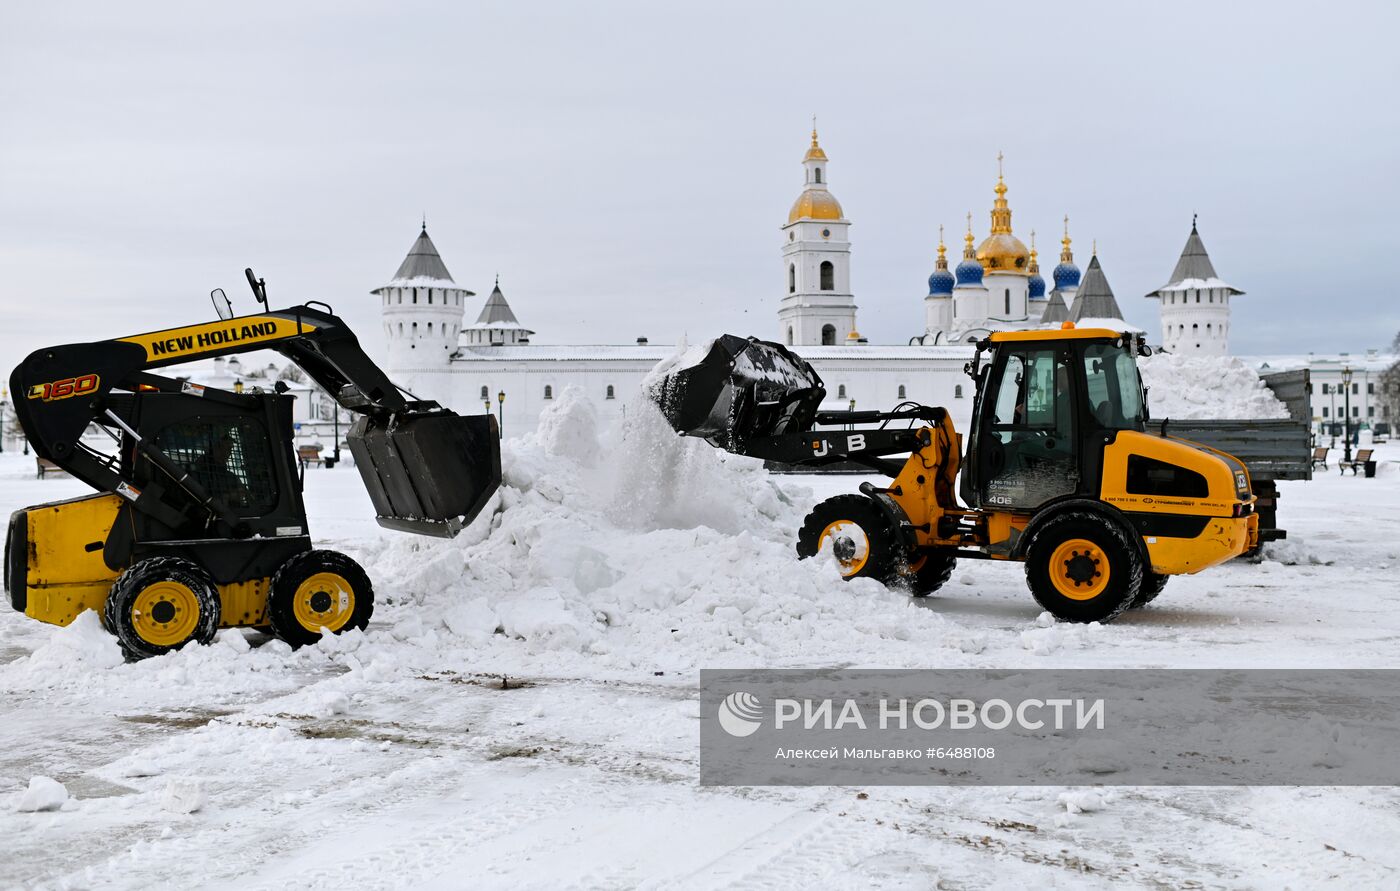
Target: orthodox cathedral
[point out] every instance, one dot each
(997, 286)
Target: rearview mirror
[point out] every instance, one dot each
(222, 304)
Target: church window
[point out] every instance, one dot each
(400, 293)
(612, 394)
(548, 391)
(1198, 295)
(957, 391)
(485, 392)
(1008, 301)
(901, 391)
(789, 341)
(828, 276)
(1324, 411)
(415, 330)
(430, 296)
(818, 172)
(415, 295)
(1210, 296)
(430, 329)
(401, 329)
(828, 335)
(792, 278)
(1207, 329)
(841, 391)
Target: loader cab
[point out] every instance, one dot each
(238, 450)
(1046, 405)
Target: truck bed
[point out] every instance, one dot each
(1271, 450)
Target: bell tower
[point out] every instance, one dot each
(817, 305)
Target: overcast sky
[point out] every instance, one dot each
(626, 168)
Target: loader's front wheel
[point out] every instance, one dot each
(853, 530)
(1083, 567)
(161, 604)
(318, 590)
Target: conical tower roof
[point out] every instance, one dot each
(1194, 269)
(497, 312)
(423, 267)
(1055, 309)
(1094, 299)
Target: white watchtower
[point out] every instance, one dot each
(1195, 304)
(422, 310)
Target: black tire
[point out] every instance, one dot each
(1152, 585)
(1083, 567)
(161, 604)
(929, 572)
(315, 590)
(870, 530)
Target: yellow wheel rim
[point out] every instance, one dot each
(849, 543)
(1079, 569)
(165, 614)
(325, 600)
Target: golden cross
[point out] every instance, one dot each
(969, 222)
(1066, 225)
(998, 165)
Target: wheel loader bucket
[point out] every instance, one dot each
(428, 470)
(739, 389)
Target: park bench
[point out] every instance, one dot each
(1319, 458)
(46, 467)
(1363, 457)
(308, 454)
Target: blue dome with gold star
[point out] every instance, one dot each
(1035, 289)
(941, 283)
(1066, 275)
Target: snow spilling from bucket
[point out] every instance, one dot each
(1206, 388)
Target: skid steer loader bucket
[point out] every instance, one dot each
(740, 389)
(428, 470)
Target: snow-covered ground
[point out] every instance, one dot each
(520, 712)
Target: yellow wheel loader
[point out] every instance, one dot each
(197, 522)
(1059, 472)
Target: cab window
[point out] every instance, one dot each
(230, 457)
(1112, 386)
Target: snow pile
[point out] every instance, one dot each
(43, 794)
(1206, 388)
(666, 554)
(76, 649)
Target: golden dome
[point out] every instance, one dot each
(815, 204)
(1002, 252)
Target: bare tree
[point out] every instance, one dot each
(1390, 386)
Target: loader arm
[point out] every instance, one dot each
(427, 469)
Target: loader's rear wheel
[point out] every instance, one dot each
(854, 530)
(1083, 567)
(1152, 585)
(318, 590)
(929, 572)
(161, 604)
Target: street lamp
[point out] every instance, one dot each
(1332, 419)
(501, 416)
(1346, 430)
